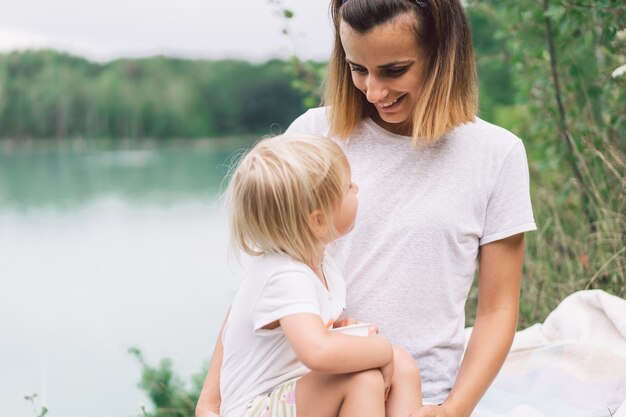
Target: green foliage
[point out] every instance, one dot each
(169, 396)
(496, 87)
(569, 111)
(47, 94)
(307, 76)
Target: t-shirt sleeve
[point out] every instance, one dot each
(312, 121)
(284, 294)
(509, 210)
(300, 125)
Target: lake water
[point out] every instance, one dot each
(103, 248)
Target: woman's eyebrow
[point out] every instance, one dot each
(352, 63)
(397, 63)
(391, 64)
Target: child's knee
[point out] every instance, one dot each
(404, 362)
(368, 379)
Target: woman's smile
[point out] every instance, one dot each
(391, 106)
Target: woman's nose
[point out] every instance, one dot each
(376, 91)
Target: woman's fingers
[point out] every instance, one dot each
(345, 322)
(430, 411)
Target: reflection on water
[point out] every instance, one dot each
(67, 175)
(101, 250)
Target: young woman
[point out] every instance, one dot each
(441, 192)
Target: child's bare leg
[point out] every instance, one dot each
(356, 394)
(405, 395)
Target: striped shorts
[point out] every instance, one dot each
(281, 402)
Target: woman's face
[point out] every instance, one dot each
(386, 65)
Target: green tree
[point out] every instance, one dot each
(47, 94)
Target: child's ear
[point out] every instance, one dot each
(317, 224)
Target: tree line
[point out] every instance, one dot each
(50, 94)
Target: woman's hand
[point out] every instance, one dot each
(373, 329)
(431, 411)
(345, 322)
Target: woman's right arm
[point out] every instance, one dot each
(333, 353)
(210, 399)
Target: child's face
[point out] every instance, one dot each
(345, 213)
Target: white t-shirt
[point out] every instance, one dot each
(257, 360)
(423, 213)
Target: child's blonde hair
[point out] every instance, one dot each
(276, 187)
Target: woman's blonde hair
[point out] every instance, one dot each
(449, 92)
(276, 187)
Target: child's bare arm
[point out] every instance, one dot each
(210, 398)
(333, 353)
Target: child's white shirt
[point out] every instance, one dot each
(257, 360)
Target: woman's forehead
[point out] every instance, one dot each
(384, 44)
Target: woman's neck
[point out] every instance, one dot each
(403, 129)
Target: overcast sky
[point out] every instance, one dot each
(108, 29)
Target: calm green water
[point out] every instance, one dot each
(66, 175)
(102, 248)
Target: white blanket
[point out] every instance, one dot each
(572, 365)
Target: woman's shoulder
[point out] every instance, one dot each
(483, 138)
(481, 132)
(312, 121)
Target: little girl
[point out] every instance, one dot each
(288, 198)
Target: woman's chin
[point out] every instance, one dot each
(395, 123)
(392, 119)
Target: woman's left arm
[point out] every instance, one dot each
(499, 279)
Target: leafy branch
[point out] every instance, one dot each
(307, 75)
(170, 397)
(39, 412)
